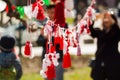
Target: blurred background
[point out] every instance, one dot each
(79, 69)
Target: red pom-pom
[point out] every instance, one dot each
(27, 50)
(66, 60)
(51, 72)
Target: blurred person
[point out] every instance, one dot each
(8, 60)
(118, 9)
(107, 58)
(41, 41)
(80, 7)
(50, 12)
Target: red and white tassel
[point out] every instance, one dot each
(28, 50)
(38, 11)
(66, 57)
(48, 66)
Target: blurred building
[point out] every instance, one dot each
(21, 2)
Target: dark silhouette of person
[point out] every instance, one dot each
(107, 57)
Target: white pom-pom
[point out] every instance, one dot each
(55, 59)
(42, 73)
(44, 65)
(55, 62)
(58, 56)
(31, 50)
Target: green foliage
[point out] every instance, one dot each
(20, 10)
(47, 2)
(76, 74)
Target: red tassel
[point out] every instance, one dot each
(88, 30)
(56, 40)
(59, 14)
(51, 72)
(40, 14)
(82, 29)
(66, 60)
(74, 43)
(27, 50)
(52, 49)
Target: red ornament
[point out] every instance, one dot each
(27, 50)
(51, 72)
(39, 10)
(66, 60)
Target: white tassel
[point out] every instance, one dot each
(28, 11)
(48, 27)
(65, 47)
(42, 73)
(35, 12)
(55, 59)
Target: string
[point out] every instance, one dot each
(28, 23)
